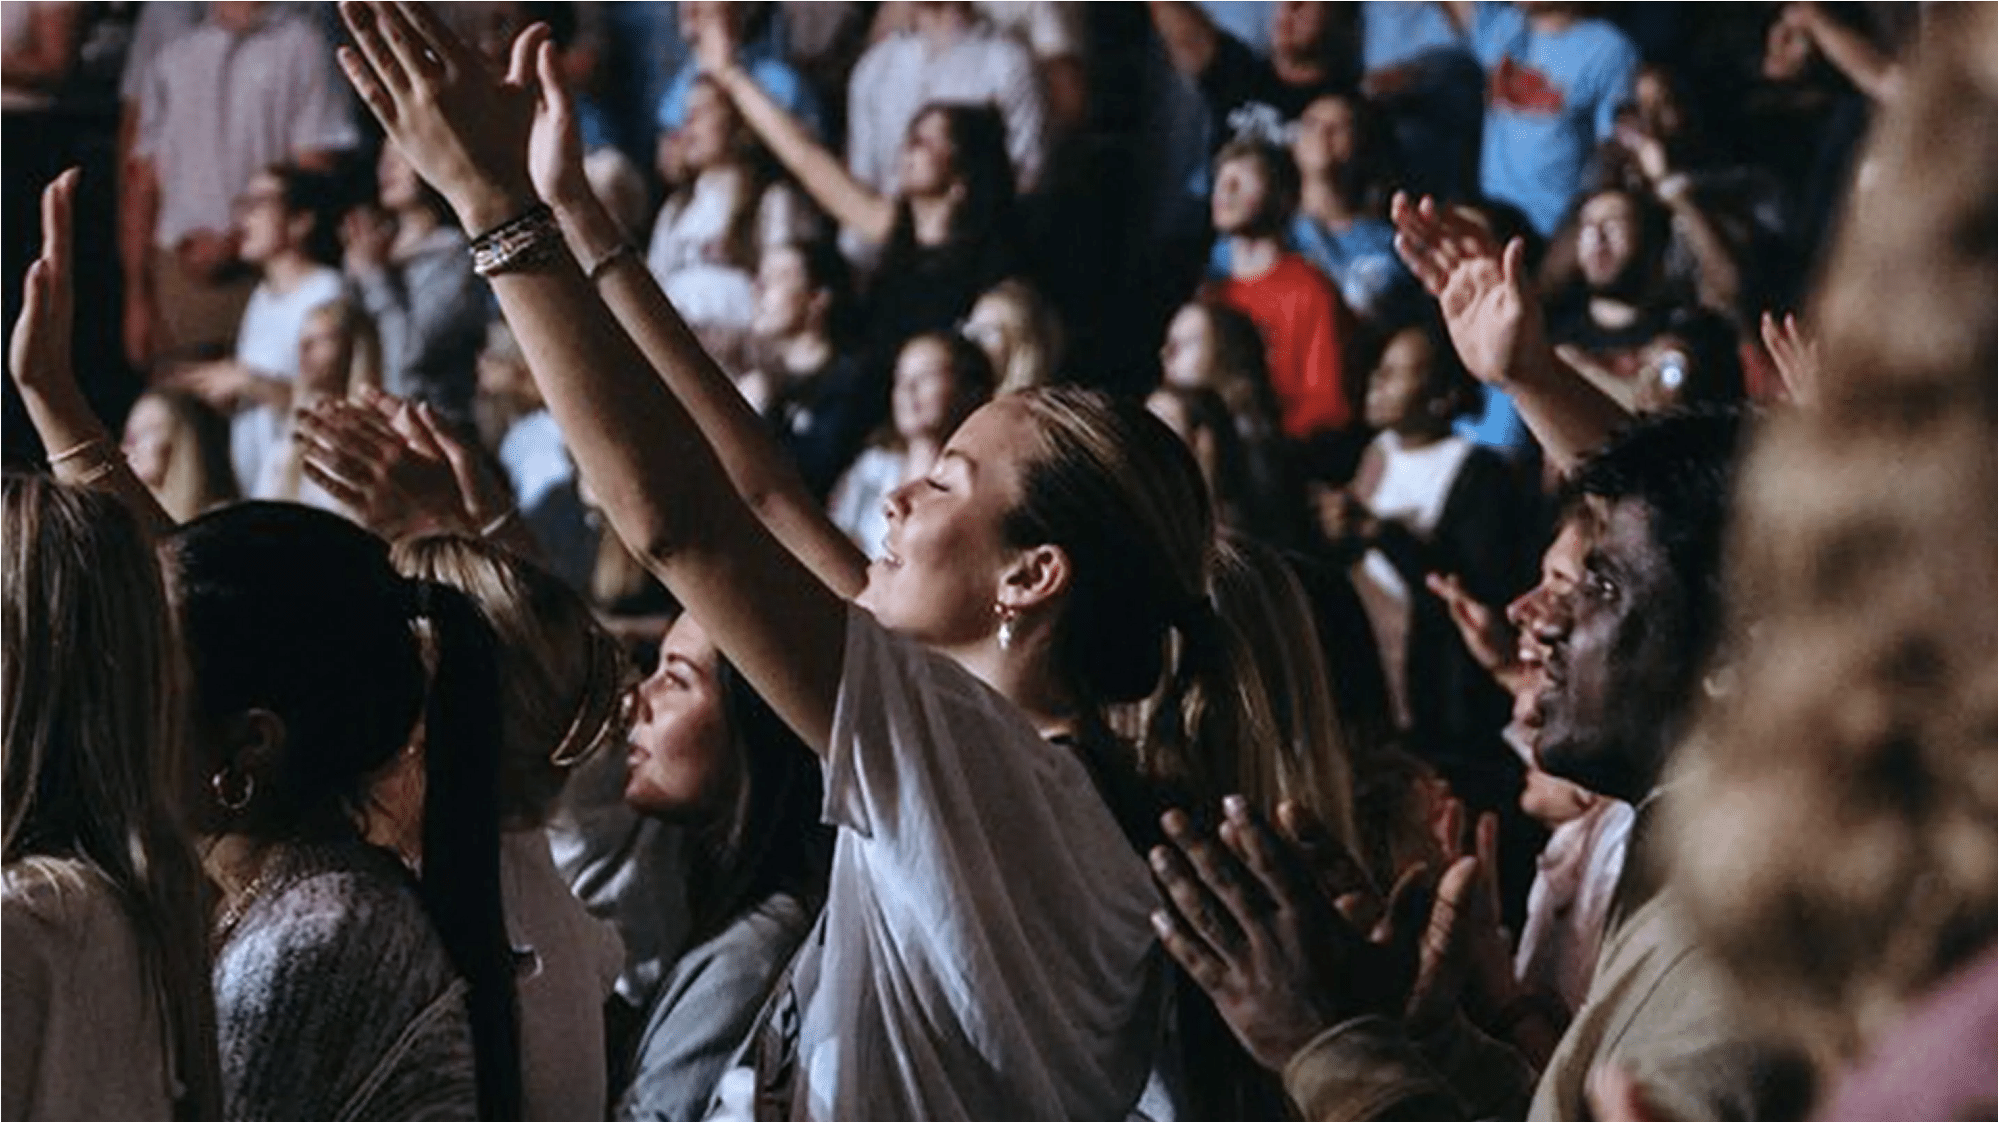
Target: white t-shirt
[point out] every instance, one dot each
(985, 951)
(267, 342)
(858, 502)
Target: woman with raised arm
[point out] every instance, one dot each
(344, 987)
(944, 237)
(986, 948)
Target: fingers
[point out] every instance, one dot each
(1512, 264)
(58, 209)
(1407, 904)
(1199, 909)
(452, 53)
(1192, 953)
(407, 46)
(521, 65)
(1449, 828)
(1487, 849)
(554, 95)
(1275, 869)
(367, 87)
(1334, 867)
(1223, 876)
(343, 492)
(364, 22)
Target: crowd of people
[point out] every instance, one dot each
(1387, 562)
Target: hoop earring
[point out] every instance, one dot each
(219, 784)
(1008, 617)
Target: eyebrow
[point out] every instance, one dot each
(970, 465)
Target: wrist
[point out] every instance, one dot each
(491, 205)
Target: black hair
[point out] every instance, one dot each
(321, 195)
(771, 838)
(298, 612)
(827, 270)
(1448, 376)
(980, 160)
(1680, 465)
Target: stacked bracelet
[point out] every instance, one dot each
(500, 523)
(104, 459)
(525, 242)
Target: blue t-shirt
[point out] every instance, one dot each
(1497, 426)
(1395, 31)
(1551, 100)
(784, 85)
(1361, 261)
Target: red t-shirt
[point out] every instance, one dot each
(1303, 324)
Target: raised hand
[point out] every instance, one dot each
(464, 128)
(555, 144)
(483, 494)
(1253, 926)
(1795, 352)
(1464, 954)
(1488, 303)
(391, 485)
(1487, 635)
(39, 356)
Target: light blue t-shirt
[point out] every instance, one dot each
(783, 83)
(1551, 99)
(1497, 426)
(1394, 31)
(1361, 260)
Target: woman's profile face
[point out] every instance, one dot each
(937, 579)
(928, 157)
(783, 294)
(677, 755)
(1188, 355)
(148, 440)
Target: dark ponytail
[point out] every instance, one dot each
(460, 882)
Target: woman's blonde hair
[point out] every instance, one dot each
(1308, 759)
(562, 676)
(1838, 843)
(199, 476)
(1033, 335)
(94, 750)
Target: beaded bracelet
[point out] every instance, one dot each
(523, 242)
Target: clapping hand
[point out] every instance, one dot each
(1491, 310)
(1487, 635)
(464, 128)
(1286, 950)
(394, 465)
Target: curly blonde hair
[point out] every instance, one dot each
(1838, 838)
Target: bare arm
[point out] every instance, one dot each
(138, 215)
(81, 450)
(1876, 73)
(852, 203)
(49, 56)
(660, 483)
(1496, 323)
(1189, 36)
(1720, 272)
(756, 466)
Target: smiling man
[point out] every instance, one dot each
(1616, 639)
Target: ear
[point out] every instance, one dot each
(1038, 576)
(253, 744)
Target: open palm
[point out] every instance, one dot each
(1493, 315)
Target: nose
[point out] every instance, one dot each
(1538, 613)
(896, 505)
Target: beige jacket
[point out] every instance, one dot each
(1657, 1007)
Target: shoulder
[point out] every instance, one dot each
(1600, 43)
(349, 914)
(50, 903)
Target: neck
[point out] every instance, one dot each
(1023, 677)
(940, 25)
(932, 217)
(1298, 69)
(233, 862)
(414, 222)
(287, 270)
(1324, 203)
(1551, 23)
(1612, 312)
(1421, 435)
(1252, 255)
(806, 352)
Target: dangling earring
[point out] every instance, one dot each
(1008, 616)
(219, 783)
